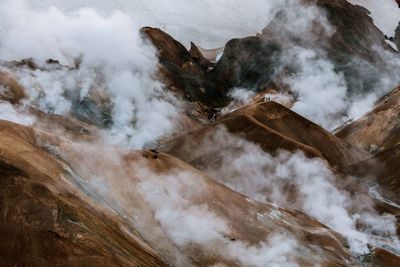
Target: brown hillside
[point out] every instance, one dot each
(55, 212)
(273, 127)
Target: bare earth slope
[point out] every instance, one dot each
(273, 127)
(378, 133)
(55, 211)
(44, 223)
(379, 128)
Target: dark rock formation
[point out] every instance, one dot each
(256, 61)
(354, 50)
(182, 70)
(248, 62)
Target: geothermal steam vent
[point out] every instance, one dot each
(200, 133)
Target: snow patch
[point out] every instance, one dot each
(385, 13)
(392, 45)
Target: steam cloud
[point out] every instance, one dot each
(172, 199)
(10, 113)
(294, 181)
(115, 58)
(111, 44)
(186, 223)
(322, 93)
(123, 65)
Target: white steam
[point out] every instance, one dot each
(106, 33)
(185, 223)
(295, 181)
(321, 92)
(172, 198)
(114, 57)
(48, 88)
(278, 252)
(11, 113)
(360, 106)
(122, 65)
(170, 207)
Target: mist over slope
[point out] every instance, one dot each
(176, 133)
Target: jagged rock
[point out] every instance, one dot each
(198, 56)
(256, 61)
(248, 63)
(396, 38)
(32, 64)
(183, 70)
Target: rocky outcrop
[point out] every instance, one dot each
(354, 50)
(198, 57)
(247, 63)
(255, 62)
(185, 70)
(396, 38)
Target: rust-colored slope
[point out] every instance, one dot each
(382, 258)
(10, 89)
(45, 224)
(41, 228)
(378, 132)
(55, 214)
(273, 127)
(383, 168)
(378, 129)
